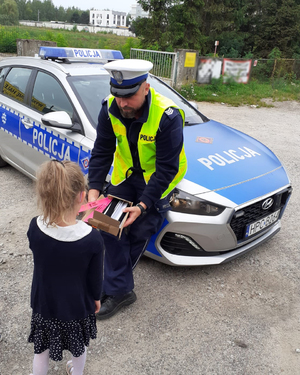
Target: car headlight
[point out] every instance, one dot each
(189, 204)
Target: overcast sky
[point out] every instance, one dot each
(118, 5)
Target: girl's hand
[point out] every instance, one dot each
(93, 195)
(97, 306)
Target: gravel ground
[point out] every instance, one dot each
(241, 318)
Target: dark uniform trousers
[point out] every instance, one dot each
(122, 254)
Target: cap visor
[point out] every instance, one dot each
(124, 92)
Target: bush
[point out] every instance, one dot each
(8, 40)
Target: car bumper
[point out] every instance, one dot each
(194, 240)
(212, 258)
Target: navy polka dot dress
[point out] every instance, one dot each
(67, 279)
(56, 335)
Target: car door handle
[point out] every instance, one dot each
(27, 123)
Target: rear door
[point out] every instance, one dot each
(13, 84)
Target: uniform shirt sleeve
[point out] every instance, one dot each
(103, 151)
(169, 143)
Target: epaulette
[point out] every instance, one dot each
(171, 112)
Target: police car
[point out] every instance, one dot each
(234, 193)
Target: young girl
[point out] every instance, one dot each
(68, 270)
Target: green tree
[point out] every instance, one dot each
(37, 10)
(61, 14)
(139, 26)
(69, 13)
(85, 17)
(9, 14)
(48, 10)
(223, 20)
(184, 26)
(274, 23)
(75, 17)
(157, 22)
(171, 24)
(21, 4)
(28, 13)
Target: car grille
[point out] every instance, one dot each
(254, 212)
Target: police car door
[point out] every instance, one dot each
(13, 84)
(43, 142)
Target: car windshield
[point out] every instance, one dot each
(91, 90)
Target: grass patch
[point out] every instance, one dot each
(66, 38)
(236, 94)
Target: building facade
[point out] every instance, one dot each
(137, 11)
(107, 18)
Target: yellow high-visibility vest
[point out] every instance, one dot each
(146, 144)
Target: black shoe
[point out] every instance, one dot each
(112, 304)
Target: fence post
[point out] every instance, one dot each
(186, 69)
(273, 72)
(174, 70)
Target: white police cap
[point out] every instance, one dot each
(126, 76)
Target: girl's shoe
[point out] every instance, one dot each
(69, 367)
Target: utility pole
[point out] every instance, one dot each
(38, 16)
(216, 45)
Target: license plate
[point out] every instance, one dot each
(261, 224)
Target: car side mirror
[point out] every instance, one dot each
(60, 119)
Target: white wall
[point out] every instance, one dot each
(69, 26)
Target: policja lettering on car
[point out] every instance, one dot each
(222, 161)
(51, 145)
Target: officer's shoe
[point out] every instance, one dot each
(112, 304)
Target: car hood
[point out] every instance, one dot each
(221, 159)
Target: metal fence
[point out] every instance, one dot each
(165, 66)
(263, 69)
(164, 63)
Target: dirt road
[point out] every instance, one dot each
(241, 318)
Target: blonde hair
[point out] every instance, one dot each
(58, 184)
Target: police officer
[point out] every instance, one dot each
(141, 132)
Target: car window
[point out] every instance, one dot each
(90, 91)
(16, 82)
(3, 73)
(49, 96)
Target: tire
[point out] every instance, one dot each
(2, 162)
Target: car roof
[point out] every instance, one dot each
(70, 65)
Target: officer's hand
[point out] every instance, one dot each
(134, 213)
(93, 195)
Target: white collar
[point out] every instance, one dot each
(69, 233)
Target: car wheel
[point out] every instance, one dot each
(2, 162)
